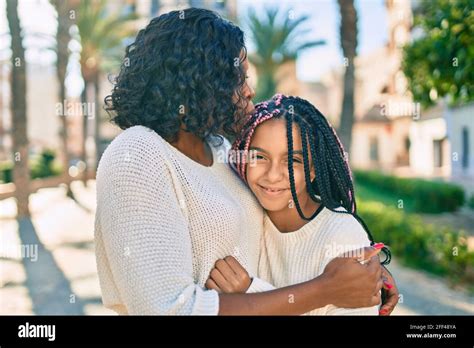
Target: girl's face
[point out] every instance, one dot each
(267, 169)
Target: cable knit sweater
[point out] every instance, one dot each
(295, 257)
(163, 220)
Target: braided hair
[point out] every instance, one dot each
(333, 184)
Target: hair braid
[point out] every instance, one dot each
(307, 170)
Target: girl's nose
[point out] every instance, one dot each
(275, 173)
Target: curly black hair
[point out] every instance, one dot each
(183, 68)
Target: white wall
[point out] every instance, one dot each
(360, 147)
(422, 135)
(457, 119)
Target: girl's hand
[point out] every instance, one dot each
(391, 289)
(228, 276)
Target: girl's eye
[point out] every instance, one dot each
(255, 156)
(297, 160)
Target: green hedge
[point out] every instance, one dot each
(6, 172)
(41, 166)
(470, 203)
(428, 196)
(438, 250)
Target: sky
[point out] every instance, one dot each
(37, 17)
(324, 24)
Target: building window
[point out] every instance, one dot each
(407, 144)
(374, 149)
(465, 148)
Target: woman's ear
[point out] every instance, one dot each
(312, 174)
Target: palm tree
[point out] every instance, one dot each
(101, 36)
(276, 43)
(21, 175)
(348, 32)
(63, 10)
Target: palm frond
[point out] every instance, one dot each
(277, 41)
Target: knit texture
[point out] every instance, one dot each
(299, 256)
(163, 220)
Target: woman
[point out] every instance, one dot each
(166, 208)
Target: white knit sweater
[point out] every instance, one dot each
(163, 220)
(295, 257)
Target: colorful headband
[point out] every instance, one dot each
(242, 143)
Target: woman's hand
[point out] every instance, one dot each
(228, 276)
(392, 292)
(352, 284)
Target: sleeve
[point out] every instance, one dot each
(259, 285)
(347, 234)
(145, 234)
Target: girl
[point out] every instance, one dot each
(291, 158)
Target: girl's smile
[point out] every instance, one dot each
(271, 191)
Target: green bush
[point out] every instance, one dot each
(427, 196)
(42, 166)
(438, 250)
(6, 172)
(470, 203)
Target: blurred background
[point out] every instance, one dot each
(395, 77)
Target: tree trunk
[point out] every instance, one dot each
(21, 175)
(97, 119)
(85, 131)
(62, 38)
(348, 32)
(2, 130)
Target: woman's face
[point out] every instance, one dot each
(267, 171)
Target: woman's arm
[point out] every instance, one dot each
(392, 292)
(144, 232)
(346, 233)
(344, 283)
